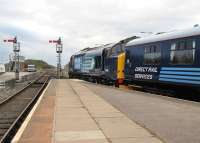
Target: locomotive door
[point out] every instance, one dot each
(110, 64)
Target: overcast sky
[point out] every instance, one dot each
(84, 23)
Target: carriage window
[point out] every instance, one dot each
(183, 52)
(152, 54)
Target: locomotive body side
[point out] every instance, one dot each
(75, 65)
(92, 64)
(87, 64)
(170, 61)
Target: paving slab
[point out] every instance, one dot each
(136, 140)
(69, 112)
(121, 128)
(106, 114)
(114, 124)
(72, 121)
(72, 113)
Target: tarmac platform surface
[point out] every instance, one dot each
(69, 112)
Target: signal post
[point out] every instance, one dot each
(16, 50)
(59, 48)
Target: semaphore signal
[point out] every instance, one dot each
(16, 50)
(59, 47)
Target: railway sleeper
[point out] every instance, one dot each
(2, 132)
(14, 108)
(38, 84)
(5, 126)
(6, 123)
(8, 116)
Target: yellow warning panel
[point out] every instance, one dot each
(120, 66)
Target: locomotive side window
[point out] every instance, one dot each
(183, 52)
(88, 63)
(152, 54)
(97, 62)
(77, 63)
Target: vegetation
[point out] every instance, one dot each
(39, 64)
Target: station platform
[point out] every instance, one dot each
(69, 112)
(11, 75)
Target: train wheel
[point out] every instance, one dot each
(98, 81)
(116, 84)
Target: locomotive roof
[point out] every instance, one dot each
(94, 50)
(109, 45)
(166, 36)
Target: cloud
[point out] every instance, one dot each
(86, 23)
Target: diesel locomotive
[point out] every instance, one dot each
(171, 58)
(103, 64)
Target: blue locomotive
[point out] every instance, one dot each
(97, 64)
(171, 58)
(103, 64)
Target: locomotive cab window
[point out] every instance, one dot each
(116, 50)
(152, 54)
(183, 52)
(119, 49)
(108, 53)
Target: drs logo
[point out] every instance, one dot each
(145, 72)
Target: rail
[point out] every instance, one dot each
(14, 109)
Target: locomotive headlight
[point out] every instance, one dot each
(127, 61)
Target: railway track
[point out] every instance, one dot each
(14, 109)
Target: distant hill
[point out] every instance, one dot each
(39, 64)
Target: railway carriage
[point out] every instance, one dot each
(171, 59)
